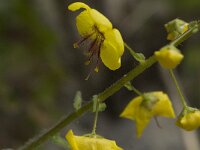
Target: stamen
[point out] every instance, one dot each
(81, 41)
(93, 52)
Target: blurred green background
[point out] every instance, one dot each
(40, 71)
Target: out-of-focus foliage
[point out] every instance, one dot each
(30, 71)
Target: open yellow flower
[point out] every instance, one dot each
(90, 143)
(96, 30)
(169, 57)
(142, 108)
(189, 119)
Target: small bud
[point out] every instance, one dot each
(189, 119)
(175, 28)
(169, 57)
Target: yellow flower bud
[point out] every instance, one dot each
(169, 57)
(96, 30)
(142, 108)
(175, 28)
(189, 120)
(90, 143)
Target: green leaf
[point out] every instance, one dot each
(77, 100)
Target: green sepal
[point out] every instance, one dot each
(149, 100)
(102, 106)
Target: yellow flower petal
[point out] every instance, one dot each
(112, 49)
(142, 120)
(134, 111)
(163, 107)
(102, 23)
(110, 56)
(71, 140)
(85, 24)
(131, 109)
(89, 143)
(78, 5)
(115, 38)
(169, 57)
(189, 121)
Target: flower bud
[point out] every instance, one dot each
(169, 57)
(189, 119)
(175, 28)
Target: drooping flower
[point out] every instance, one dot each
(142, 108)
(175, 28)
(169, 56)
(97, 32)
(90, 143)
(189, 119)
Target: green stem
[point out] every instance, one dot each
(33, 143)
(95, 119)
(137, 91)
(130, 49)
(183, 101)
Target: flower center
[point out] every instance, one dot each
(92, 43)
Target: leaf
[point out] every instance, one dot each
(77, 100)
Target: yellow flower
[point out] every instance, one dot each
(169, 57)
(90, 143)
(189, 120)
(104, 41)
(142, 108)
(175, 28)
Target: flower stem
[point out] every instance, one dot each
(183, 101)
(95, 119)
(138, 56)
(33, 143)
(137, 91)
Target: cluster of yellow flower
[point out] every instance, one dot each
(106, 42)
